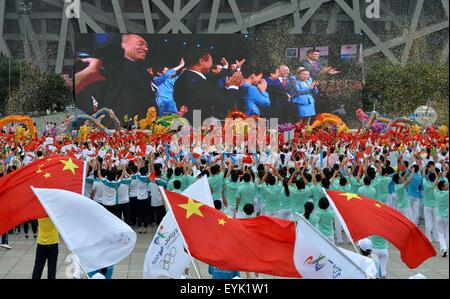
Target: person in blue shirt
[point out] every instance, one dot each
(254, 88)
(164, 83)
(301, 91)
(414, 191)
(392, 202)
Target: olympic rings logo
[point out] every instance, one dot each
(168, 259)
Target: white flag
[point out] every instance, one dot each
(98, 238)
(200, 191)
(316, 257)
(166, 255)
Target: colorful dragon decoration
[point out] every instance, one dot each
(20, 132)
(377, 123)
(94, 121)
(324, 119)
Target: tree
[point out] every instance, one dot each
(404, 88)
(38, 92)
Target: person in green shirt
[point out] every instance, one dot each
(286, 196)
(400, 193)
(429, 206)
(300, 195)
(381, 184)
(270, 193)
(245, 194)
(441, 195)
(177, 186)
(326, 218)
(342, 186)
(177, 176)
(229, 192)
(309, 215)
(216, 181)
(316, 189)
(354, 176)
(380, 245)
(367, 190)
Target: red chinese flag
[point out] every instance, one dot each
(261, 244)
(366, 217)
(152, 177)
(18, 202)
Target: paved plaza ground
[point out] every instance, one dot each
(18, 262)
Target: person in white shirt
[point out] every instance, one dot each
(157, 210)
(143, 200)
(133, 195)
(109, 187)
(123, 202)
(97, 189)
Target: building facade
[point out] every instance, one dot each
(43, 31)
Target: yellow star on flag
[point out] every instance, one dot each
(229, 217)
(351, 196)
(39, 170)
(192, 207)
(49, 159)
(47, 175)
(378, 205)
(69, 165)
(222, 222)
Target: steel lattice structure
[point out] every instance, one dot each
(40, 31)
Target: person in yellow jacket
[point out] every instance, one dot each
(47, 249)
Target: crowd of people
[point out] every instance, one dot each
(123, 176)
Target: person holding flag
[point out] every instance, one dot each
(366, 248)
(326, 218)
(376, 243)
(47, 249)
(441, 194)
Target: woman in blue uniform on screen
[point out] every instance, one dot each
(301, 91)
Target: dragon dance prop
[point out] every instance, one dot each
(94, 121)
(377, 123)
(75, 121)
(106, 111)
(324, 119)
(149, 119)
(20, 132)
(167, 123)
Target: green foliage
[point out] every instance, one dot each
(38, 91)
(404, 88)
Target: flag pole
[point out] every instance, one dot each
(181, 233)
(84, 177)
(75, 257)
(61, 232)
(341, 220)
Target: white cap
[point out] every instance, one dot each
(365, 244)
(418, 276)
(98, 276)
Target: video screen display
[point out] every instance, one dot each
(216, 74)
